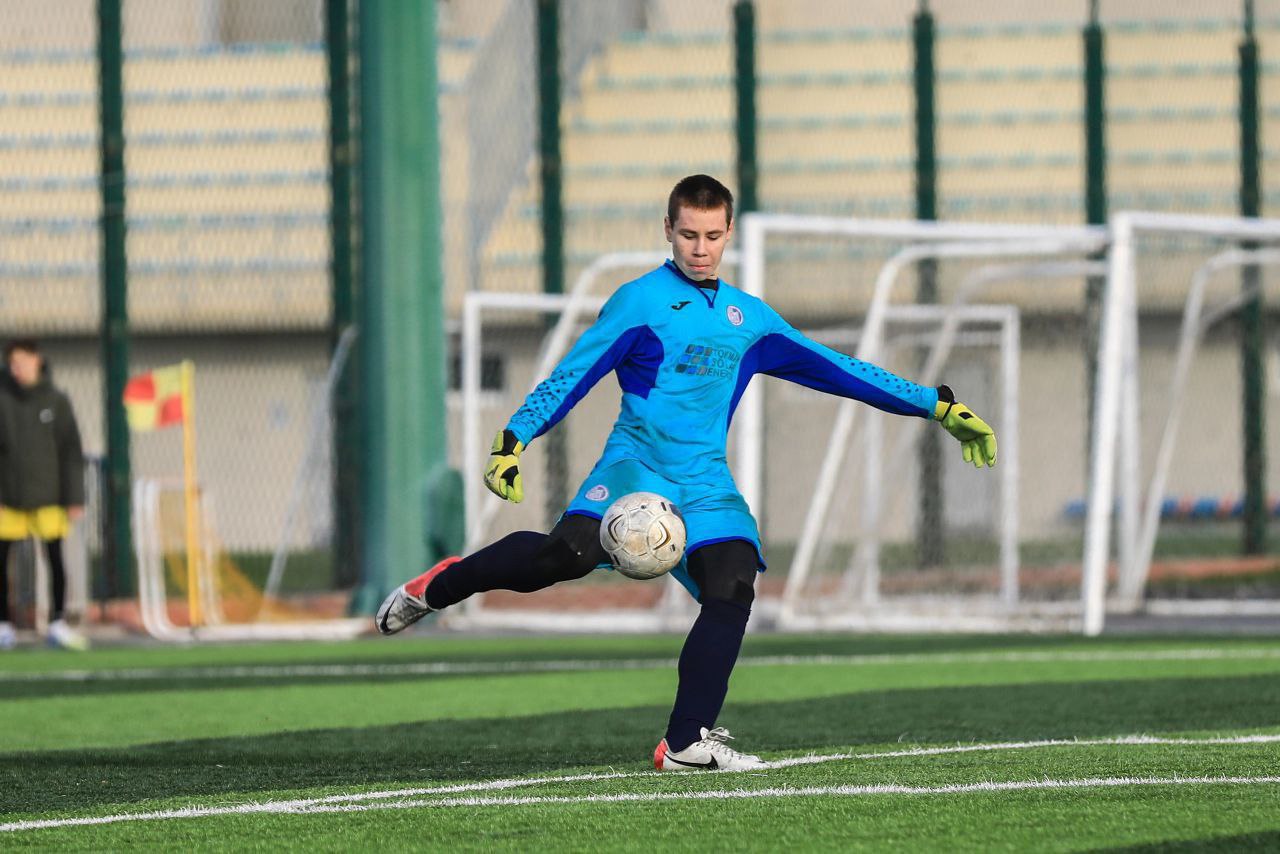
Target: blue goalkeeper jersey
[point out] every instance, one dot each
(683, 356)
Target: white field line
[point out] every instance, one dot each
(1027, 745)
(284, 807)
(465, 668)
(807, 792)
(361, 800)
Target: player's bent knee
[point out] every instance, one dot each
(557, 561)
(572, 549)
(726, 571)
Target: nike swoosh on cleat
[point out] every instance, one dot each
(710, 764)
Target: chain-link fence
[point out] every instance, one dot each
(228, 193)
(226, 115)
(226, 119)
(837, 94)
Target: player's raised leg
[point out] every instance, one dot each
(725, 574)
(408, 603)
(523, 561)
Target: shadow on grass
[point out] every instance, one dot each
(1262, 841)
(497, 746)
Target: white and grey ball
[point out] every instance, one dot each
(643, 534)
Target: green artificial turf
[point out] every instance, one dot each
(131, 730)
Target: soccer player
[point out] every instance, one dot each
(683, 344)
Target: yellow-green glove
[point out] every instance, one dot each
(502, 475)
(977, 439)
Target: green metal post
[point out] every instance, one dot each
(401, 344)
(556, 442)
(930, 534)
(745, 85)
(115, 302)
(1095, 194)
(744, 32)
(1252, 334)
(346, 423)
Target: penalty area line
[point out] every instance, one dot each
(985, 787)
(1024, 745)
(378, 799)
(804, 792)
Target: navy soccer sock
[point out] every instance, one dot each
(58, 575)
(706, 661)
(504, 565)
(4, 580)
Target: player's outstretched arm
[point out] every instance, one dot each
(619, 333)
(786, 353)
(502, 473)
(977, 439)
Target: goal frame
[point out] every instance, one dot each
(1115, 463)
(863, 571)
(153, 596)
(924, 240)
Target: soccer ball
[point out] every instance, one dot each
(643, 534)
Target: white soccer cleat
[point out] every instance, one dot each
(63, 636)
(8, 637)
(407, 603)
(710, 754)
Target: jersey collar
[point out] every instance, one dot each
(709, 294)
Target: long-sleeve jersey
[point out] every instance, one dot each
(683, 356)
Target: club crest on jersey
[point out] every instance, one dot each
(734, 314)
(599, 492)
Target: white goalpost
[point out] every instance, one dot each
(1117, 427)
(1195, 324)
(155, 542)
(858, 600)
(920, 241)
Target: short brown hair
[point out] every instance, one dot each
(701, 192)
(26, 345)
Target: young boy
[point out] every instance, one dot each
(684, 345)
(41, 477)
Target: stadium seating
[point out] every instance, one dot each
(226, 154)
(836, 115)
(228, 196)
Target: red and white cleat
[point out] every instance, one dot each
(710, 754)
(407, 603)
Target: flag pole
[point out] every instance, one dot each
(190, 490)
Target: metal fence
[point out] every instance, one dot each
(229, 193)
(838, 132)
(228, 249)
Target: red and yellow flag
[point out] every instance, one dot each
(154, 400)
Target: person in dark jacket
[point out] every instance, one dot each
(41, 477)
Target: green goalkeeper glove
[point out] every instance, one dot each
(503, 473)
(977, 439)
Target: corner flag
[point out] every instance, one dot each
(155, 399)
(163, 397)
